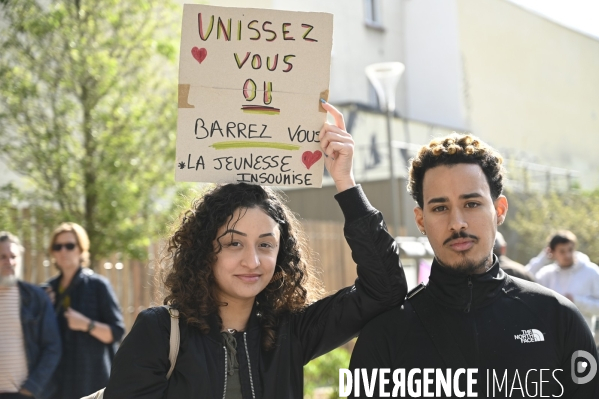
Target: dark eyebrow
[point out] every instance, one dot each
(442, 200)
(231, 231)
(438, 200)
(471, 195)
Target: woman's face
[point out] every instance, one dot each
(66, 251)
(247, 261)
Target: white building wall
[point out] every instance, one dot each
(533, 85)
(433, 63)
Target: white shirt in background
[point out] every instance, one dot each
(13, 359)
(581, 280)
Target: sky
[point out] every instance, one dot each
(580, 15)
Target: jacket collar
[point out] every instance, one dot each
(465, 292)
(80, 274)
(215, 326)
(25, 296)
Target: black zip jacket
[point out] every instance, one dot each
(500, 323)
(140, 366)
(85, 364)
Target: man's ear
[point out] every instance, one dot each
(419, 218)
(501, 207)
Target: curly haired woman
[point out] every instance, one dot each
(240, 277)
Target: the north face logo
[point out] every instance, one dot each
(530, 336)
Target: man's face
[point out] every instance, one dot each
(9, 257)
(459, 216)
(564, 254)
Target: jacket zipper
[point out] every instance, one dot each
(467, 310)
(225, 389)
(245, 343)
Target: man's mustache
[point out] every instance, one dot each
(461, 234)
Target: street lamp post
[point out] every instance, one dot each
(384, 77)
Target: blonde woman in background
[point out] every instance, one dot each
(88, 314)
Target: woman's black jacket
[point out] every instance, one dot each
(140, 366)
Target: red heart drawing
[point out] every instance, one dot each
(310, 158)
(199, 54)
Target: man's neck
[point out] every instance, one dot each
(566, 267)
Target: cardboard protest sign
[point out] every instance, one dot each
(250, 83)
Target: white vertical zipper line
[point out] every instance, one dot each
(226, 372)
(245, 343)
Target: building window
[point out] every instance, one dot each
(372, 13)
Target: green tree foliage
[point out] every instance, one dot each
(534, 216)
(88, 113)
(324, 371)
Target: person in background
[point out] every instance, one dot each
(509, 266)
(29, 340)
(575, 279)
(90, 320)
(544, 258)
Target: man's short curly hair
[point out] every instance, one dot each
(452, 150)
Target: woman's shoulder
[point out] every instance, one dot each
(94, 280)
(155, 313)
(155, 316)
(90, 275)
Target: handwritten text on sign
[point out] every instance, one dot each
(250, 83)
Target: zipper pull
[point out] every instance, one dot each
(470, 285)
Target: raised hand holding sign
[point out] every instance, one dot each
(338, 146)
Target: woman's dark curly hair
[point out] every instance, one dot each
(451, 150)
(191, 253)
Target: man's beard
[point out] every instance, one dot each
(8, 281)
(468, 266)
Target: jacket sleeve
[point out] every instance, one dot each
(110, 311)
(140, 365)
(537, 263)
(381, 283)
(588, 302)
(377, 348)
(579, 346)
(50, 348)
(376, 345)
(542, 278)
